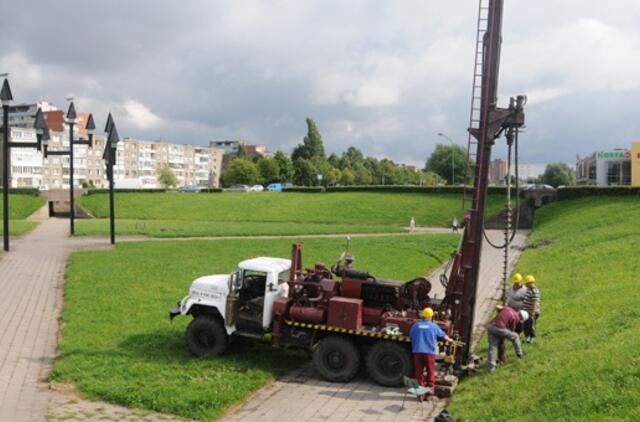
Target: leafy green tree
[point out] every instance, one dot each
(240, 171)
(304, 172)
(348, 177)
(167, 178)
(285, 165)
(352, 156)
(389, 172)
(444, 158)
(269, 170)
(335, 176)
(362, 176)
(334, 160)
(312, 146)
(559, 174)
(323, 168)
(429, 178)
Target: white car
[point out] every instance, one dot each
(256, 188)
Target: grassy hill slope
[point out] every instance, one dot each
(585, 363)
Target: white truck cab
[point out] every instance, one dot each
(239, 303)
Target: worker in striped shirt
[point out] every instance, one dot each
(531, 304)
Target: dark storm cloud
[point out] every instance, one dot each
(384, 76)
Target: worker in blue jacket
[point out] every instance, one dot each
(424, 336)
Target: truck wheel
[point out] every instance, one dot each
(336, 359)
(387, 362)
(206, 336)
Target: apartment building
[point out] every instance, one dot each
(137, 163)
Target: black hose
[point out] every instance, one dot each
(513, 233)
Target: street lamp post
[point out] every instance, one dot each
(6, 97)
(109, 155)
(42, 134)
(453, 172)
(71, 119)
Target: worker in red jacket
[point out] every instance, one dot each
(424, 336)
(503, 327)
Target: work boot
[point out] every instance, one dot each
(528, 340)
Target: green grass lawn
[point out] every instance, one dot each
(21, 207)
(19, 227)
(585, 364)
(182, 228)
(118, 344)
(183, 214)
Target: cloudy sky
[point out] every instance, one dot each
(385, 76)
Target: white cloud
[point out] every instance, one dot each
(140, 116)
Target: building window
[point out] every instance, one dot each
(613, 172)
(592, 170)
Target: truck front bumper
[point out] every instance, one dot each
(174, 312)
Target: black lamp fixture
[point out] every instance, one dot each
(109, 155)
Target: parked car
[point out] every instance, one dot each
(275, 187)
(237, 188)
(256, 188)
(539, 186)
(189, 188)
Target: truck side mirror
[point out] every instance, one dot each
(271, 287)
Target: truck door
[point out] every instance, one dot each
(276, 287)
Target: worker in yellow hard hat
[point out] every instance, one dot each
(515, 296)
(424, 336)
(531, 304)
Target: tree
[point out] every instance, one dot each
(285, 165)
(440, 162)
(312, 146)
(429, 178)
(167, 178)
(269, 170)
(304, 172)
(362, 176)
(559, 174)
(240, 171)
(347, 177)
(352, 156)
(334, 160)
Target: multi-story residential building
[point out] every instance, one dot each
(137, 165)
(497, 171)
(24, 115)
(231, 149)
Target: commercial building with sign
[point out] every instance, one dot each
(605, 168)
(635, 164)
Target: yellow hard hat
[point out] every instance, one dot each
(427, 313)
(530, 279)
(517, 278)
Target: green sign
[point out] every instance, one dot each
(612, 155)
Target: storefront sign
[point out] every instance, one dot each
(613, 155)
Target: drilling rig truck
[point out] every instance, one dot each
(345, 317)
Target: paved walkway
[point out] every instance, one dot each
(31, 278)
(304, 396)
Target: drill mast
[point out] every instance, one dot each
(462, 286)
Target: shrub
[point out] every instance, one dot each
(305, 189)
(24, 191)
(98, 191)
(582, 191)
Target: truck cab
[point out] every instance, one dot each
(240, 303)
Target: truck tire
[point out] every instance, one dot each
(336, 359)
(387, 362)
(206, 336)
